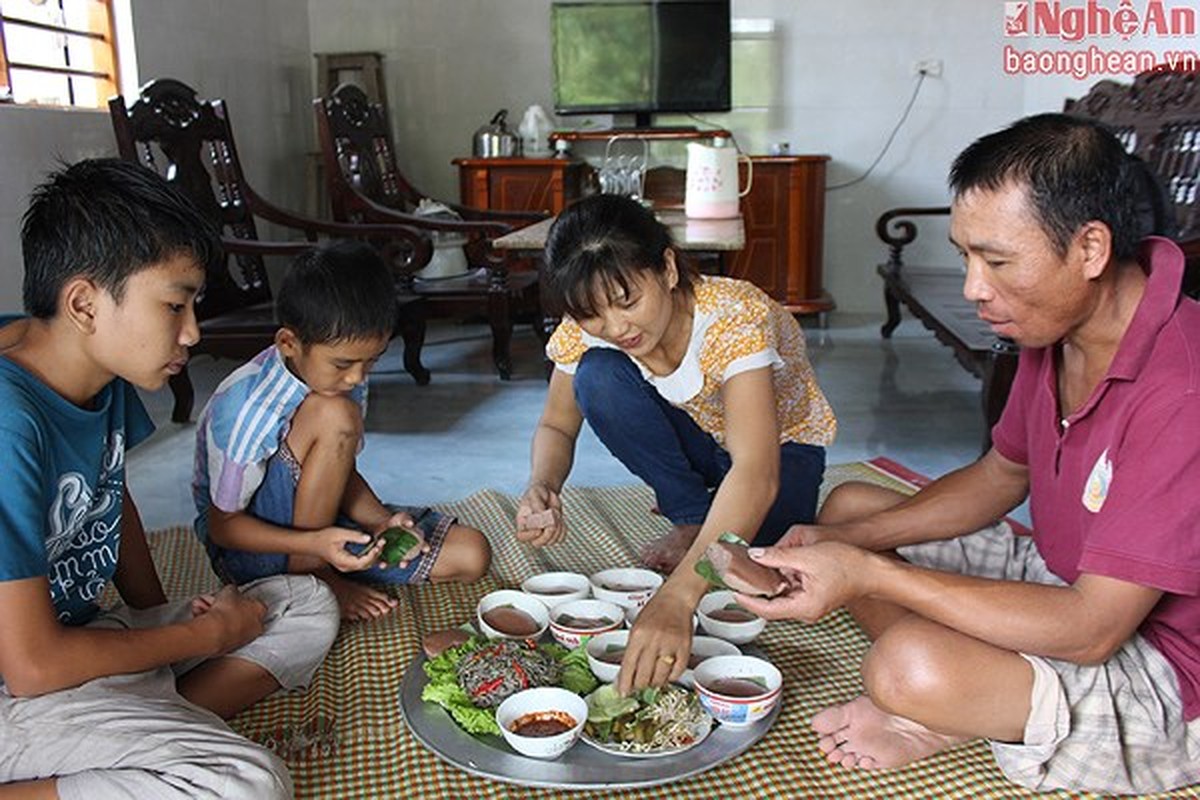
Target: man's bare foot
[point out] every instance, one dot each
(665, 552)
(860, 734)
(358, 601)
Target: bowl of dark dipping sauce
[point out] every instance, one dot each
(543, 722)
(575, 620)
(737, 690)
(509, 614)
(721, 616)
(553, 588)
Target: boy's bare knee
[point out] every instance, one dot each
(466, 556)
(323, 418)
(855, 500)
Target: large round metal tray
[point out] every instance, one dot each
(581, 767)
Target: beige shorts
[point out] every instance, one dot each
(134, 736)
(1115, 727)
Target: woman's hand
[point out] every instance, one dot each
(540, 520)
(329, 545)
(659, 644)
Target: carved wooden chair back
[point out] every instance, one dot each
(1157, 118)
(190, 143)
(361, 143)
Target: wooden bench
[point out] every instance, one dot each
(1157, 118)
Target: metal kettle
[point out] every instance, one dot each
(495, 140)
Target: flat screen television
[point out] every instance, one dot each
(640, 56)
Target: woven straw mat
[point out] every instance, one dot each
(345, 737)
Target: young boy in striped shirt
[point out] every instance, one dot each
(276, 485)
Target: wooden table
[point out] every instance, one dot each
(719, 236)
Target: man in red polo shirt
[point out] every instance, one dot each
(1076, 651)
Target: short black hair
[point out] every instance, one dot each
(339, 291)
(1074, 170)
(600, 242)
(106, 219)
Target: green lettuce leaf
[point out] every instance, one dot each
(606, 704)
(444, 690)
(706, 570)
(577, 674)
(454, 699)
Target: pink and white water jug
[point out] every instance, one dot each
(712, 181)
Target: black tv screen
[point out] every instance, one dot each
(641, 56)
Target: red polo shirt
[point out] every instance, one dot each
(1115, 487)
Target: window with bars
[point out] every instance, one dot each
(57, 52)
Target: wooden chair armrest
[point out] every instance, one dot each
(905, 230)
(377, 213)
(517, 219)
(1190, 247)
(406, 249)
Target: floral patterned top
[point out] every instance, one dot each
(735, 327)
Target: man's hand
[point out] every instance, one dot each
(540, 520)
(235, 619)
(824, 577)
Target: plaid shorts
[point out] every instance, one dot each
(1115, 727)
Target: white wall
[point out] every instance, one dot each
(253, 54)
(844, 78)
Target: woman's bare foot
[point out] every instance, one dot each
(665, 552)
(859, 734)
(358, 601)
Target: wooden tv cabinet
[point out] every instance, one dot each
(784, 213)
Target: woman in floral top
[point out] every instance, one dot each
(699, 385)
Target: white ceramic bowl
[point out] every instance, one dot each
(553, 588)
(596, 646)
(735, 708)
(518, 600)
(631, 615)
(704, 648)
(541, 700)
(571, 635)
(736, 632)
(625, 586)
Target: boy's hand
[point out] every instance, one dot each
(329, 544)
(540, 520)
(236, 618)
(403, 520)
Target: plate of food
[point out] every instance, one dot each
(449, 701)
(651, 723)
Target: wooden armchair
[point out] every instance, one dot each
(190, 142)
(365, 185)
(1157, 118)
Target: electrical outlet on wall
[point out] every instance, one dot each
(929, 67)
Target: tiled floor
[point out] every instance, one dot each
(906, 399)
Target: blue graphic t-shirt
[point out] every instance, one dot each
(60, 495)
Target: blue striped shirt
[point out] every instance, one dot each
(241, 428)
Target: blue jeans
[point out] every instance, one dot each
(663, 446)
(274, 501)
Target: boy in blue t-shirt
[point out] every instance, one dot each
(276, 485)
(125, 702)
